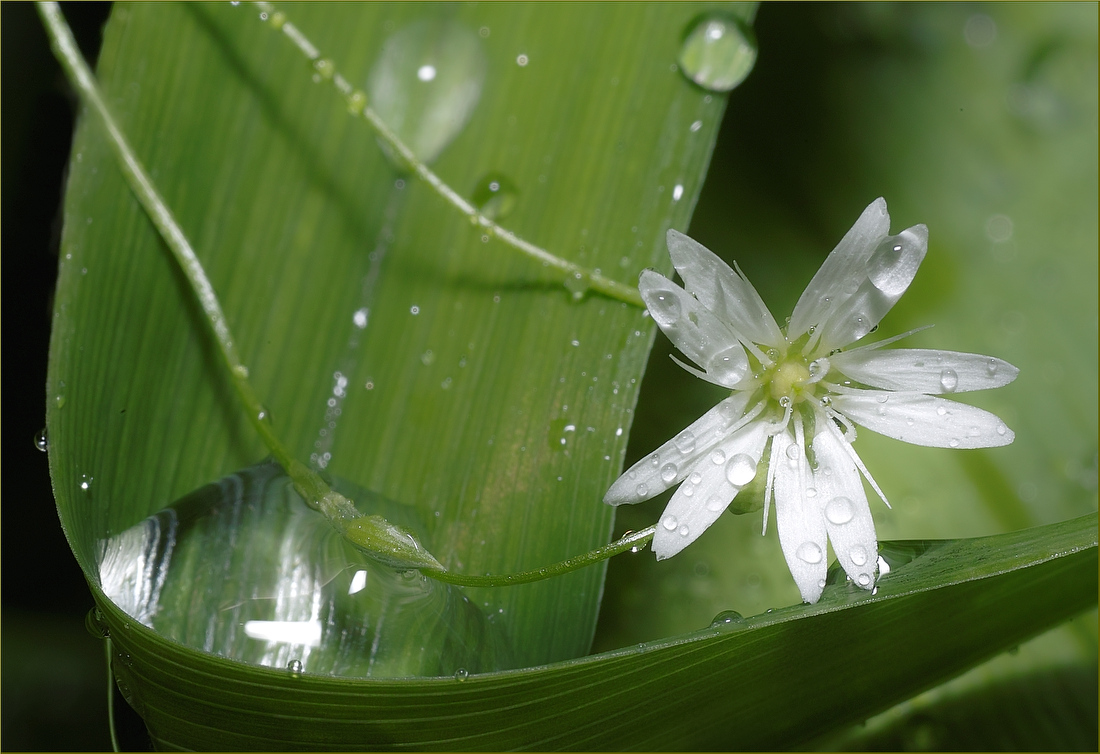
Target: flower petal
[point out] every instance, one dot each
(925, 370)
(694, 329)
(885, 277)
(833, 283)
(672, 462)
(722, 290)
(709, 489)
(799, 519)
(923, 419)
(844, 506)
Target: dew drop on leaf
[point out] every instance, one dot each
(718, 52)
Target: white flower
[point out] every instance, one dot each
(796, 395)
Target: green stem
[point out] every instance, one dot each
(371, 534)
(632, 541)
(358, 106)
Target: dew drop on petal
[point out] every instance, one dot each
(668, 473)
(1001, 429)
(685, 441)
(792, 452)
(864, 579)
(664, 307)
(741, 469)
(839, 510)
(718, 457)
(684, 530)
(811, 492)
(954, 442)
(809, 552)
(695, 477)
(991, 367)
(716, 503)
(641, 490)
(941, 411)
(688, 489)
(655, 459)
(949, 380)
(670, 523)
(729, 365)
(858, 555)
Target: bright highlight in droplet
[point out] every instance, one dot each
(304, 632)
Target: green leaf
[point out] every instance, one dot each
(770, 681)
(482, 391)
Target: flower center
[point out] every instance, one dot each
(788, 380)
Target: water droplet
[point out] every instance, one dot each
(86, 482)
(425, 84)
(241, 371)
(729, 365)
(716, 503)
(577, 284)
(839, 510)
(668, 473)
(688, 489)
(718, 52)
(726, 617)
(864, 579)
(677, 192)
(495, 196)
(793, 452)
(295, 667)
(1001, 429)
(96, 624)
(642, 490)
(685, 442)
(462, 674)
(991, 367)
(894, 264)
(741, 469)
(684, 530)
(941, 411)
(811, 492)
(359, 318)
(655, 460)
(41, 441)
(954, 442)
(669, 522)
(949, 380)
(522, 60)
(809, 552)
(664, 307)
(858, 555)
(718, 457)
(695, 477)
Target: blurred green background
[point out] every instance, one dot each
(979, 120)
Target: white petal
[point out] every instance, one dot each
(833, 283)
(694, 329)
(924, 370)
(725, 292)
(886, 276)
(700, 501)
(844, 506)
(799, 519)
(923, 419)
(652, 475)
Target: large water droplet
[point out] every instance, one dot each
(669, 522)
(668, 473)
(729, 365)
(664, 307)
(894, 264)
(41, 440)
(839, 510)
(495, 196)
(858, 555)
(718, 52)
(427, 111)
(685, 441)
(809, 552)
(949, 380)
(741, 469)
(462, 674)
(295, 667)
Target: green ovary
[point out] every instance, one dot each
(787, 381)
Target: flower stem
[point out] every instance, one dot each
(632, 541)
(358, 106)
